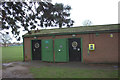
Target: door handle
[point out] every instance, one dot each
(78, 49)
(59, 50)
(33, 49)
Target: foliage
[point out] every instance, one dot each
(5, 38)
(87, 23)
(32, 15)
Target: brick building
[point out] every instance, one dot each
(86, 44)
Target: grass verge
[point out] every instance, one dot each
(11, 54)
(55, 72)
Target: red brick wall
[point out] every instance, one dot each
(106, 47)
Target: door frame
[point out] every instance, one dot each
(31, 48)
(67, 48)
(81, 45)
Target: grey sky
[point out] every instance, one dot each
(98, 11)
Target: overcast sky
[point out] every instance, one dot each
(100, 12)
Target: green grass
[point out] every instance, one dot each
(56, 72)
(11, 54)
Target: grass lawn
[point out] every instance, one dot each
(10, 54)
(56, 72)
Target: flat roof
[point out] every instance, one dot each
(75, 30)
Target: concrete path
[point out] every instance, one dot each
(15, 70)
(0, 74)
(71, 64)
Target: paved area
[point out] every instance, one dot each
(16, 70)
(21, 69)
(0, 74)
(71, 64)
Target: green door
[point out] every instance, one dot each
(61, 50)
(47, 50)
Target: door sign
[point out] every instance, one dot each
(61, 46)
(37, 45)
(46, 42)
(74, 44)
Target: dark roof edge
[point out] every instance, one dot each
(86, 32)
(83, 26)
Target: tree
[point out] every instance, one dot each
(87, 23)
(32, 15)
(5, 38)
(61, 14)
